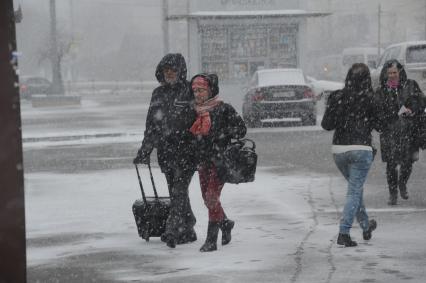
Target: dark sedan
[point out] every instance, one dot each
(34, 85)
(279, 96)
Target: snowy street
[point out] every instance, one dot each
(81, 228)
(91, 88)
(80, 184)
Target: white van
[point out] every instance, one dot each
(366, 55)
(327, 67)
(411, 54)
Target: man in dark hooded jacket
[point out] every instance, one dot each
(170, 115)
(402, 104)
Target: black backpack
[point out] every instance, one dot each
(238, 162)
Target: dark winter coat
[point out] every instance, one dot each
(226, 124)
(353, 115)
(398, 140)
(170, 115)
(353, 111)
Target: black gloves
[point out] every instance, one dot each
(142, 157)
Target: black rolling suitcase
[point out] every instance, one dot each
(150, 212)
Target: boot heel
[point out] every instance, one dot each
(211, 240)
(226, 227)
(345, 239)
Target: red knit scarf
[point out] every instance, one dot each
(203, 123)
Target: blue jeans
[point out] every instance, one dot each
(354, 166)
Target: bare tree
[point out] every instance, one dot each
(64, 43)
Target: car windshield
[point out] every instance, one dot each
(416, 54)
(281, 78)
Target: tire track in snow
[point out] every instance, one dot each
(330, 257)
(300, 250)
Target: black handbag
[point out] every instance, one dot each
(238, 162)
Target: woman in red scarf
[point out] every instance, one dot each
(216, 124)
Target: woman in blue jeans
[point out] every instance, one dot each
(352, 113)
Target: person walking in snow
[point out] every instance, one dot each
(216, 124)
(169, 118)
(403, 103)
(352, 113)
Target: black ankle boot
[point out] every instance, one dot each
(211, 240)
(188, 237)
(169, 240)
(372, 225)
(345, 239)
(392, 199)
(226, 226)
(403, 191)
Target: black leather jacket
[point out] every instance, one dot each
(353, 115)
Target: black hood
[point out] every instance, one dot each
(213, 81)
(384, 75)
(174, 60)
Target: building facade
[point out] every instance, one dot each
(234, 38)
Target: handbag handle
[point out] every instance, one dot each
(243, 142)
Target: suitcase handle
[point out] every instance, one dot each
(152, 181)
(141, 186)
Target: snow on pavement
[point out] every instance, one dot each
(285, 231)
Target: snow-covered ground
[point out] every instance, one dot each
(285, 231)
(286, 222)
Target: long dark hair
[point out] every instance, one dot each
(358, 78)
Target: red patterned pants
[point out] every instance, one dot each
(211, 188)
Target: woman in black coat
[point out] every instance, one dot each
(216, 124)
(353, 114)
(402, 104)
(170, 115)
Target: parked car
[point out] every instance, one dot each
(411, 54)
(323, 88)
(34, 85)
(279, 95)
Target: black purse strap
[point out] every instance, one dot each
(141, 186)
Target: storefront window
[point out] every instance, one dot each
(219, 68)
(214, 43)
(249, 42)
(236, 52)
(283, 42)
(240, 70)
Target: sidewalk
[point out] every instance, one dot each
(286, 228)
